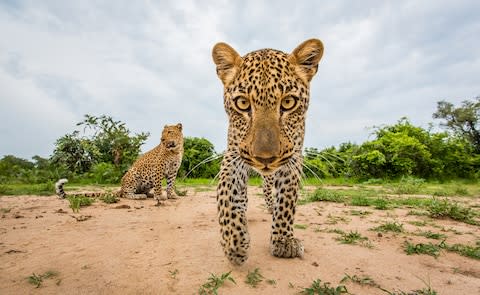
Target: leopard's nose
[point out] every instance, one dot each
(266, 161)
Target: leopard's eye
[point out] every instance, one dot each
(288, 103)
(242, 103)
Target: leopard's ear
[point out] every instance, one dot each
(179, 126)
(228, 62)
(306, 58)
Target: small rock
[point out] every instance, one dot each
(315, 264)
(82, 217)
(12, 251)
(38, 216)
(16, 215)
(60, 211)
(124, 206)
(379, 235)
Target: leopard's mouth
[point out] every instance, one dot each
(265, 168)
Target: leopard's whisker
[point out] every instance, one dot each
(204, 161)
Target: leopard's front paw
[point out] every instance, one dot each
(236, 247)
(287, 248)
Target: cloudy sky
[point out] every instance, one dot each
(148, 63)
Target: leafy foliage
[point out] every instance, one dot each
(199, 159)
(109, 142)
(463, 120)
(214, 282)
(320, 288)
(396, 151)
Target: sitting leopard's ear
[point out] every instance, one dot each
(306, 58)
(179, 126)
(228, 62)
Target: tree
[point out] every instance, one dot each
(199, 159)
(463, 120)
(111, 142)
(76, 153)
(13, 168)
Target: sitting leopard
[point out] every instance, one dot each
(266, 96)
(147, 172)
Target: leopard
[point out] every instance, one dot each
(148, 171)
(266, 94)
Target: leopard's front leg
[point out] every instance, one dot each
(232, 207)
(171, 175)
(267, 185)
(282, 241)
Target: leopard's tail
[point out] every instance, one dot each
(59, 188)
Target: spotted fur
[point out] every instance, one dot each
(266, 96)
(149, 170)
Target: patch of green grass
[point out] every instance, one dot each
(323, 195)
(408, 185)
(363, 281)
(380, 204)
(360, 200)
(254, 277)
(109, 198)
(352, 238)
(464, 250)
(214, 282)
(374, 181)
(320, 288)
(446, 209)
(37, 280)
(432, 235)
(390, 227)
(300, 226)
(79, 201)
(428, 249)
(461, 191)
(41, 189)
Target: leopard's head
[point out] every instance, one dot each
(172, 137)
(266, 96)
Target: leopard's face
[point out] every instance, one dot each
(266, 96)
(172, 138)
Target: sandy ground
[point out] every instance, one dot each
(172, 249)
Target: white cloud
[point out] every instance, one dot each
(149, 63)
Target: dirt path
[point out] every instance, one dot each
(173, 249)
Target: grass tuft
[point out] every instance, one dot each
(37, 280)
(214, 282)
(323, 195)
(390, 227)
(79, 201)
(428, 249)
(445, 209)
(320, 288)
(254, 277)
